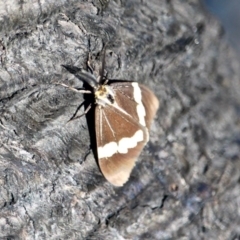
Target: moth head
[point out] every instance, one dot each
(104, 95)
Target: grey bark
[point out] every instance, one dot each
(186, 182)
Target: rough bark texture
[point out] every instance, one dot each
(186, 182)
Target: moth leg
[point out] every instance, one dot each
(74, 89)
(79, 91)
(84, 113)
(89, 63)
(105, 80)
(85, 156)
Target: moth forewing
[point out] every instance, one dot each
(119, 142)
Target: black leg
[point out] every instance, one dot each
(85, 112)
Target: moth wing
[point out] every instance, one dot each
(120, 140)
(151, 104)
(139, 101)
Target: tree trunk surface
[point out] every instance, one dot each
(185, 184)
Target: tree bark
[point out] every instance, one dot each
(186, 182)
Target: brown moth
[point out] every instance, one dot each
(124, 111)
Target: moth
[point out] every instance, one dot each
(124, 111)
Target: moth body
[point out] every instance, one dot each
(124, 111)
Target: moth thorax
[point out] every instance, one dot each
(104, 95)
